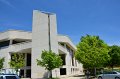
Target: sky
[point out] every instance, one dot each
(75, 18)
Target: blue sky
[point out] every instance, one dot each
(75, 18)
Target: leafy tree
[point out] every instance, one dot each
(1, 62)
(50, 61)
(17, 61)
(92, 52)
(114, 56)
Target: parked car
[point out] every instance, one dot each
(9, 76)
(109, 75)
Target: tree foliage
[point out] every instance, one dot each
(17, 60)
(49, 60)
(92, 51)
(114, 56)
(1, 62)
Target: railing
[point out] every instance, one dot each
(4, 47)
(22, 43)
(18, 46)
(62, 48)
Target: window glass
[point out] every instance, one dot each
(28, 59)
(11, 77)
(110, 72)
(4, 43)
(61, 44)
(114, 73)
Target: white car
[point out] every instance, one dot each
(109, 75)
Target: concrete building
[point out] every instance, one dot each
(43, 37)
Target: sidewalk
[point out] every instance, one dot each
(76, 77)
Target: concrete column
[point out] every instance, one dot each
(44, 37)
(8, 59)
(68, 62)
(11, 41)
(25, 65)
(25, 72)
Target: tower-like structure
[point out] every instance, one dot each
(44, 37)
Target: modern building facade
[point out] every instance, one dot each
(44, 36)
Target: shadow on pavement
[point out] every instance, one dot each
(83, 77)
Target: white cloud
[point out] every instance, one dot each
(7, 3)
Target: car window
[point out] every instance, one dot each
(1, 77)
(106, 72)
(110, 72)
(114, 72)
(11, 77)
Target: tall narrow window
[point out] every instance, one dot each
(28, 59)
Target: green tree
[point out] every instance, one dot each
(17, 61)
(114, 56)
(1, 62)
(92, 52)
(50, 61)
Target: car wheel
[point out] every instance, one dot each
(117, 78)
(99, 77)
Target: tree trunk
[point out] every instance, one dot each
(87, 74)
(95, 71)
(50, 74)
(112, 68)
(16, 71)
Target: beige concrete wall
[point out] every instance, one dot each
(68, 66)
(66, 39)
(40, 42)
(15, 34)
(6, 54)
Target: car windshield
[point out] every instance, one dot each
(1, 77)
